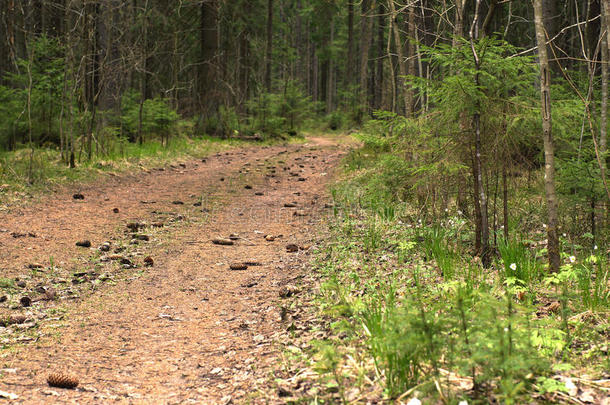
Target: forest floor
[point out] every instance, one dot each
(151, 312)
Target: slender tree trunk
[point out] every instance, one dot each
(605, 73)
(458, 27)
(315, 73)
(29, 111)
(549, 156)
(299, 42)
(485, 251)
(269, 48)
(505, 200)
(605, 69)
(477, 205)
(208, 70)
(144, 78)
(365, 43)
(412, 53)
(378, 90)
(350, 43)
(331, 70)
(407, 101)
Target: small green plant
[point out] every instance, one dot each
(7, 283)
(518, 261)
(593, 282)
(436, 245)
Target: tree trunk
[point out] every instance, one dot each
(458, 27)
(605, 73)
(349, 76)
(412, 53)
(485, 251)
(365, 43)
(208, 70)
(269, 48)
(402, 67)
(331, 70)
(505, 200)
(378, 88)
(299, 42)
(549, 168)
(603, 140)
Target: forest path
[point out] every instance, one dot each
(188, 329)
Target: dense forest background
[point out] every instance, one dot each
(454, 85)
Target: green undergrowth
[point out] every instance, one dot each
(48, 170)
(410, 313)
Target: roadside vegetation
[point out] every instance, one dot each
(406, 306)
(405, 310)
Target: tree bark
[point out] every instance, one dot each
(365, 43)
(144, 77)
(269, 47)
(458, 27)
(605, 68)
(605, 73)
(485, 251)
(208, 69)
(349, 77)
(407, 99)
(547, 127)
(330, 85)
(378, 88)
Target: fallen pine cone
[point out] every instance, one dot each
(134, 226)
(238, 266)
(223, 242)
(84, 243)
(13, 320)
(291, 248)
(288, 291)
(62, 380)
(148, 261)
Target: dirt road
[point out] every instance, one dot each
(187, 329)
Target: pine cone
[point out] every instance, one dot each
(62, 380)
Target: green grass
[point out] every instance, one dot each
(518, 261)
(49, 171)
(420, 317)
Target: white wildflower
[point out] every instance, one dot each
(513, 266)
(414, 401)
(463, 403)
(572, 259)
(595, 247)
(544, 226)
